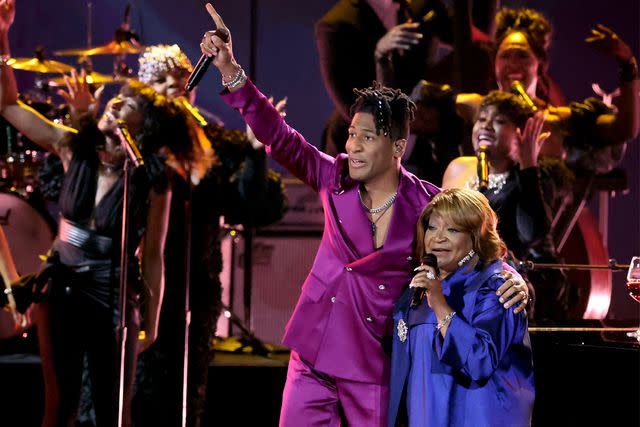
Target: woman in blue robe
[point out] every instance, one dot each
(459, 358)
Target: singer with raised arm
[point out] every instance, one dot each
(521, 188)
(590, 135)
(79, 314)
(338, 362)
(458, 357)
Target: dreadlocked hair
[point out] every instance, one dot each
(510, 105)
(164, 124)
(392, 110)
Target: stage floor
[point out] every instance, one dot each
(580, 381)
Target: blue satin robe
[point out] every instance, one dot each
(480, 374)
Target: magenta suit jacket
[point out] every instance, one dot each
(344, 312)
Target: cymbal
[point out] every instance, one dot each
(92, 78)
(112, 48)
(39, 65)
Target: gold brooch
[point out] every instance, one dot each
(402, 330)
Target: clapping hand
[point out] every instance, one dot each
(531, 140)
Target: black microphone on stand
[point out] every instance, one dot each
(518, 89)
(483, 168)
(130, 146)
(418, 294)
(204, 62)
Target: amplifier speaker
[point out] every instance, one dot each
(281, 262)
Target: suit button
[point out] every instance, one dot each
(369, 319)
(333, 299)
(382, 287)
(348, 268)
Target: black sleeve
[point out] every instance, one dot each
(588, 151)
(245, 184)
(532, 216)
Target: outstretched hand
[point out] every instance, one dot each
(7, 14)
(399, 38)
(78, 94)
(217, 44)
(606, 41)
(531, 140)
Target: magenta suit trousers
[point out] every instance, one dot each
(312, 398)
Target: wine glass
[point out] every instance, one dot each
(633, 285)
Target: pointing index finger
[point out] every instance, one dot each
(217, 19)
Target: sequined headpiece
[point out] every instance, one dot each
(161, 58)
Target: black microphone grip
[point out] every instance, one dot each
(418, 294)
(203, 63)
(198, 71)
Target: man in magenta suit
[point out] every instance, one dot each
(339, 367)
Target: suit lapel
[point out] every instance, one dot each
(353, 222)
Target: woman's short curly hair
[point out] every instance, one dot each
(469, 210)
(510, 105)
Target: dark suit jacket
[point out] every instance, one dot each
(346, 37)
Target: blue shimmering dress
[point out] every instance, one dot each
(480, 374)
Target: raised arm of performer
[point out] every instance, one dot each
(283, 143)
(8, 272)
(33, 125)
(625, 124)
(8, 269)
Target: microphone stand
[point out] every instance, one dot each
(124, 273)
(134, 157)
(530, 265)
(187, 288)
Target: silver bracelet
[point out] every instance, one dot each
(237, 80)
(445, 321)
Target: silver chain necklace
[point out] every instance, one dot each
(380, 208)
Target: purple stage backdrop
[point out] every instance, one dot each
(287, 65)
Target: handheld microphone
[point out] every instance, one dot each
(518, 89)
(483, 168)
(130, 146)
(418, 294)
(204, 62)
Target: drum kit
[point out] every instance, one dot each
(26, 217)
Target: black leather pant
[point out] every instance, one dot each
(71, 325)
